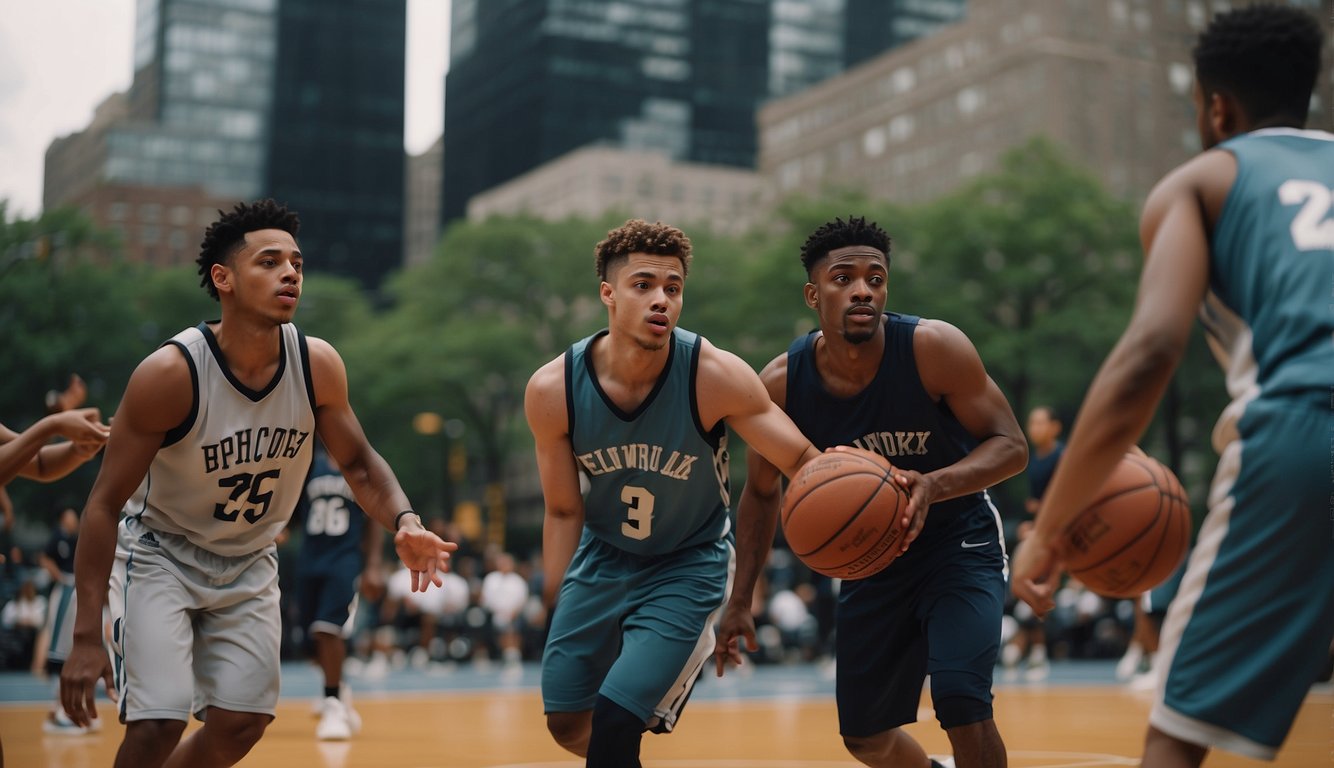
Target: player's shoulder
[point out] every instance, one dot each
(932, 334)
(1212, 170)
(549, 377)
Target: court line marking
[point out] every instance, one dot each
(1081, 760)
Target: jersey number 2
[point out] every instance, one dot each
(1312, 228)
(640, 524)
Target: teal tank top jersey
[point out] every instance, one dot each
(1268, 308)
(1255, 597)
(657, 478)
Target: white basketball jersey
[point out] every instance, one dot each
(229, 477)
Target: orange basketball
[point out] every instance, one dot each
(840, 514)
(1134, 534)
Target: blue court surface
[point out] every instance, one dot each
(792, 681)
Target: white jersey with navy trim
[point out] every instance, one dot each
(228, 478)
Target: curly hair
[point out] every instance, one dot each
(840, 234)
(225, 236)
(1267, 57)
(639, 236)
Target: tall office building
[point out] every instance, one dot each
(531, 80)
(1110, 83)
(240, 99)
(336, 142)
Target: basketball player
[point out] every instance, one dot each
(1243, 234)
(57, 559)
(1030, 641)
(208, 453)
(339, 552)
(915, 391)
(643, 563)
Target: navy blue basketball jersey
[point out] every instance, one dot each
(333, 521)
(894, 416)
(1268, 310)
(657, 479)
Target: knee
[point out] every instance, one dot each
(153, 737)
(872, 750)
(957, 711)
(570, 730)
(235, 735)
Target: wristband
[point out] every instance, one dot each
(399, 517)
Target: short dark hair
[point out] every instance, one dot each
(639, 236)
(224, 236)
(840, 234)
(1267, 57)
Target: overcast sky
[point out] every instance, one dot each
(60, 58)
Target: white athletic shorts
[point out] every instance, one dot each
(192, 629)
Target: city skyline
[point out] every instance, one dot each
(55, 93)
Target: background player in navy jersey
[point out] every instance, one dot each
(339, 553)
(208, 454)
(642, 563)
(1243, 235)
(865, 378)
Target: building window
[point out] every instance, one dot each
(118, 211)
(150, 213)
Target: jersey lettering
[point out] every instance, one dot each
(640, 456)
(251, 445)
(889, 444)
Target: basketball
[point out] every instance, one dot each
(840, 514)
(1134, 534)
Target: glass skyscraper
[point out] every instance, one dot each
(531, 80)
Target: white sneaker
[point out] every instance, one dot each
(944, 761)
(1129, 663)
(57, 723)
(335, 724)
(1037, 671)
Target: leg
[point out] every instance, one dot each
(615, 736)
(571, 730)
(330, 651)
(977, 745)
(888, 748)
(1163, 751)
(148, 743)
(225, 738)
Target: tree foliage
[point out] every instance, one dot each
(1036, 262)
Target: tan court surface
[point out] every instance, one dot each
(1072, 727)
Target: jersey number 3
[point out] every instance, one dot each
(1312, 228)
(640, 524)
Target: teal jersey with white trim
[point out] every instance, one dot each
(657, 478)
(1269, 312)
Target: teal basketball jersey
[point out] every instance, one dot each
(657, 478)
(1267, 312)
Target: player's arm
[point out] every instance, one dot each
(729, 390)
(158, 398)
(563, 523)
(1127, 388)
(952, 371)
(26, 453)
(372, 547)
(756, 521)
(372, 480)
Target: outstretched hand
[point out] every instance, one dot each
(736, 623)
(83, 426)
(425, 554)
